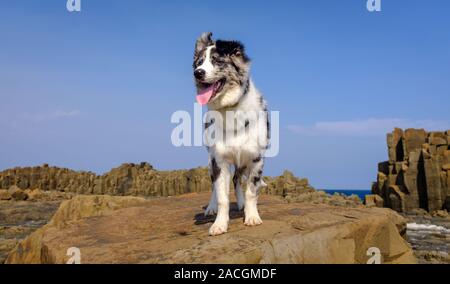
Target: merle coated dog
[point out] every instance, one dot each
(221, 71)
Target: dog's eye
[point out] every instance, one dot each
(200, 62)
(220, 63)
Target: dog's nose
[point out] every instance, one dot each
(199, 74)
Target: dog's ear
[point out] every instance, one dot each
(232, 48)
(203, 41)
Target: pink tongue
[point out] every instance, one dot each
(205, 95)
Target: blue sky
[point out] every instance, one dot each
(94, 89)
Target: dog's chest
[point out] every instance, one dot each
(239, 142)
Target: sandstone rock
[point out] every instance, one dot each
(435, 188)
(4, 195)
(419, 212)
(440, 213)
(383, 168)
(174, 230)
(433, 150)
(396, 146)
(21, 218)
(25, 212)
(134, 179)
(416, 176)
(447, 157)
(396, 198)
(437, 138)
(425, 155)
(414, 156)
(17, 193)
(34, 194)
(286, 185)
(441, 150)
(446, 167)
(373, 200)
(321, 197)
(6, 245)
(414, 139)
(433, 257)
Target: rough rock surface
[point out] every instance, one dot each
(132, 179)
(20, 218)
(112, 229)
(417, 174)
(431, 243)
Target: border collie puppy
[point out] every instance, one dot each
(236, 127)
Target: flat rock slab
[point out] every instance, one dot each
(110, 229)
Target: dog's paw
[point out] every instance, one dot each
(218, 228)
(252, 220)
(211, 210)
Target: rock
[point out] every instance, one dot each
(27, 213)
(416, 175)
(34, 194)
(414, 139)
(396, 147)
(4, 195)
(373, 200)
(134, 179)
(437, 138)
(286, 185)
(21, 218)
(17, 193)
(174, 230)
(321, 197)
(414, 156)
(419, 212)
(440, 213)
(433, 257)
(6, 245)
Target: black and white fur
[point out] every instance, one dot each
(225, 64)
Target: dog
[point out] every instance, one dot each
(222, 79)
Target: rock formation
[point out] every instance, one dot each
(131, 179)
(114, 229)
(417, 174)
(20, 218)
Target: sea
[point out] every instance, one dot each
(360, 192)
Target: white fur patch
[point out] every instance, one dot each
(207, 65)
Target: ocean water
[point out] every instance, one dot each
(361, 193)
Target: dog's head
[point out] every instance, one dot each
(221, 71)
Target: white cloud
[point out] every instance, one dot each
(365, 127)
(40, 117)
(58, 114)
(25, 120)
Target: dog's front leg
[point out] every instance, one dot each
(222, 190)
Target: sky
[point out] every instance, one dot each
(93, 89)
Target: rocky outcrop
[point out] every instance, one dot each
(131, 179)
(20, 218)
(417, 174)
(112, 229)
(128, 179)
(286, 185)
